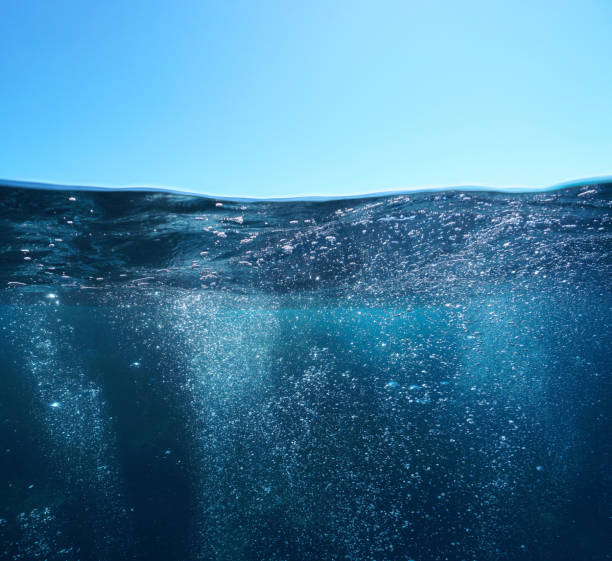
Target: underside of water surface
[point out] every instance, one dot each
(419, 376)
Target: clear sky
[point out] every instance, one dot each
(280, 98)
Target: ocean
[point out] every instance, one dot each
(420, 376)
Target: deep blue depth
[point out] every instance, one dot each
(421, 376)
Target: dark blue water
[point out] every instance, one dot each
(422, 377)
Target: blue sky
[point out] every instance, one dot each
(293, 98)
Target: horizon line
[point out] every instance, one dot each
(53, 186)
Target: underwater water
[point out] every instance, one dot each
(419, 376)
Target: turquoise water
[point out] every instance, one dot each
(419, 376)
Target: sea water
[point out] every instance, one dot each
(419, 376)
